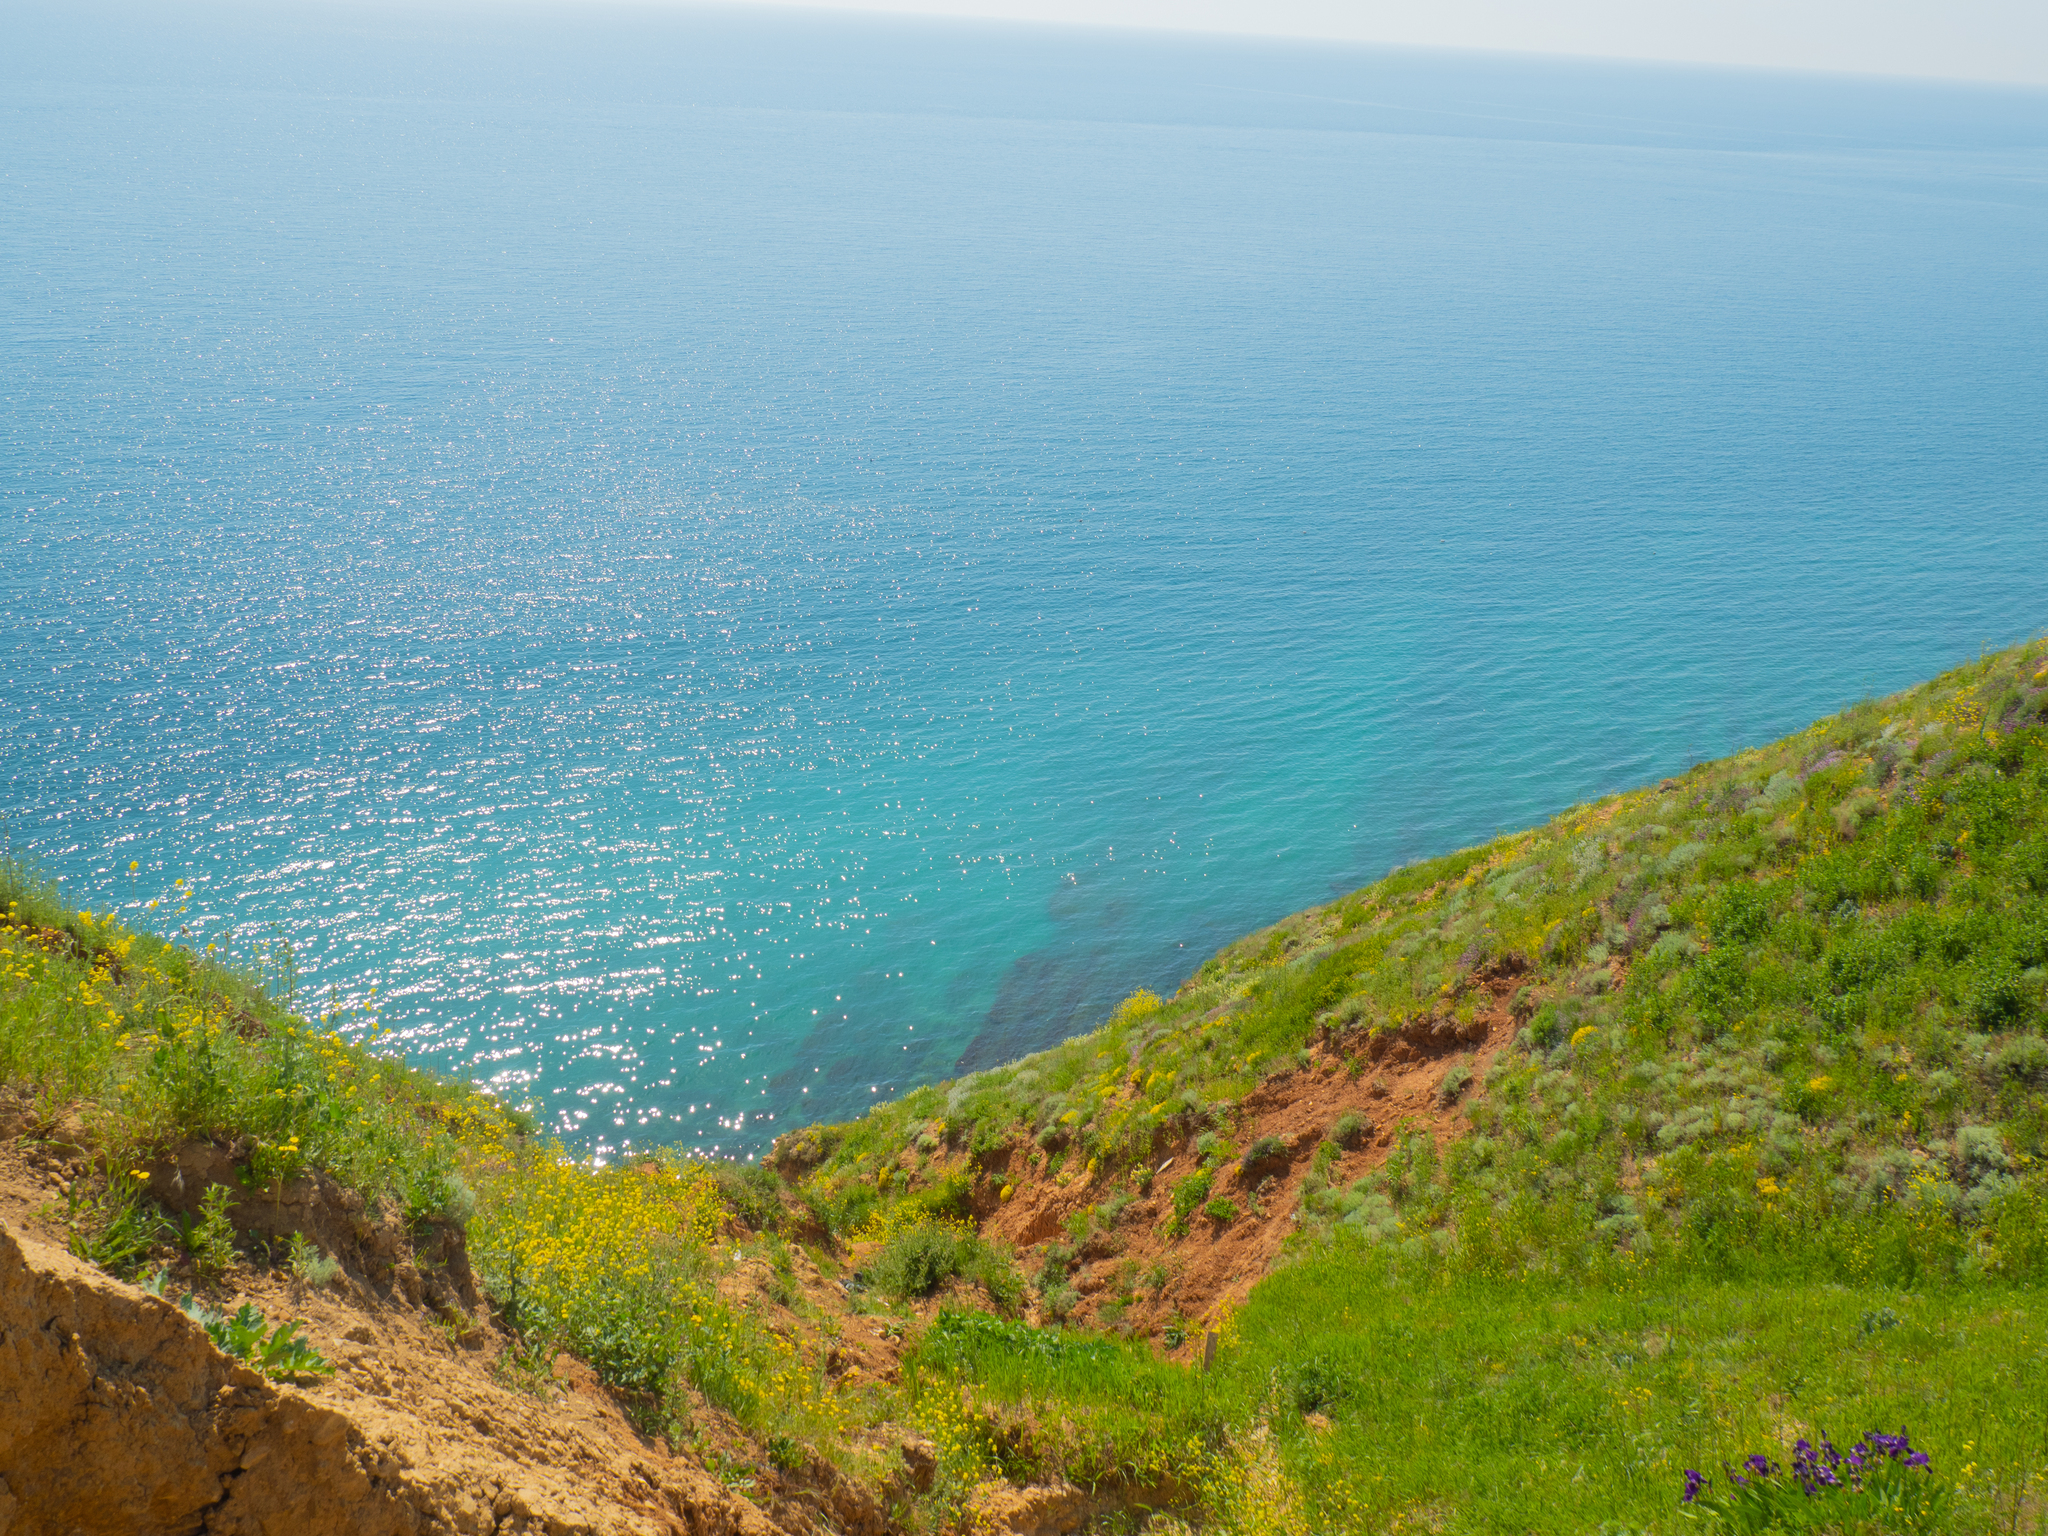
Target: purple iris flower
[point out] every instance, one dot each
(1817, 1470)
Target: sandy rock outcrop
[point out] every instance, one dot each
(117, 1414)
(1051, 1509)
(118, 1417)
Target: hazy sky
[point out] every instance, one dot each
(1958, 39)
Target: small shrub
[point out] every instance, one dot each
(1141, 1004)
(1188, 1196)
(840, 1208)
(1455, 1082)
(1059, 1302)
(1001, 1280)
(1264, 1150)
(1222, 1210)
(750, 1192)
(1350, 1129)
(1055, 1264)
(2025, 1058)
(309, 1264)
(449, 1198)
(917, 1262)
(1997, 994)
(1318, 1385)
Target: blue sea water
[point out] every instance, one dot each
(731, 563)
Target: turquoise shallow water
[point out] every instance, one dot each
(730, 565)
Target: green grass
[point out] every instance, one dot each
(152, 1043)
(1037, 1404)
(1461, 1404)
(1562, 1408)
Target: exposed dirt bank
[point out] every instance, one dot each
(118, 1416)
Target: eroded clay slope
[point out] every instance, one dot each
(118, 1417)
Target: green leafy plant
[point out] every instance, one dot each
(752, 1193)
(208, 1238)
(279, 1353)
(1318, 1384)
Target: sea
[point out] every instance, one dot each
(704, 567)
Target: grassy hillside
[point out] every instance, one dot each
(1733, 1110)
(1775, 1011)
(1764, 1158)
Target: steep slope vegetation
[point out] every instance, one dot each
(1775, 1022)
(1760, 1011)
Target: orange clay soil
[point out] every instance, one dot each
(1392, 1081)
